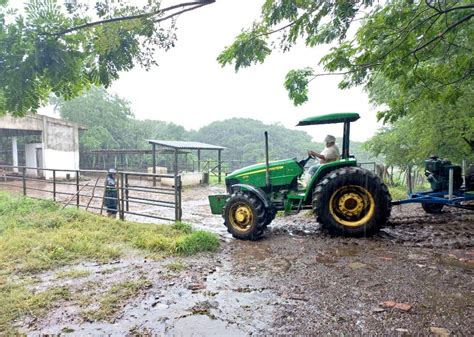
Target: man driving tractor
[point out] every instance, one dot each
(329, 154)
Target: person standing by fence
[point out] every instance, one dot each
(111, 194)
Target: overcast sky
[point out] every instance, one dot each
(190, 88)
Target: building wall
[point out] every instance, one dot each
(60, 137)
(31, 160)
(60, 142)
(64, 160)
(61, 148)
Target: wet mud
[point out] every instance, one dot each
(414, 277)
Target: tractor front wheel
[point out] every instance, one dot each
(352, 201)
(245, 216)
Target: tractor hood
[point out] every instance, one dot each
(282, 172)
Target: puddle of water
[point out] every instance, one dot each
(202, 325)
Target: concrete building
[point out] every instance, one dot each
(57, 145)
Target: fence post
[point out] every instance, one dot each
(24, 180)
(177, 198)
(77, 189)
(219, 168)
(127, 193)
(153, 160)
(121, 197)
(410, 187)
(54, 185)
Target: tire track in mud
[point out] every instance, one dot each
(409, 226)
(453, 228)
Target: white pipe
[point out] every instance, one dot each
(15, 154)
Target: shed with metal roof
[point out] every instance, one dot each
(177, 146)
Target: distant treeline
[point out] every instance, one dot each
(111, 125)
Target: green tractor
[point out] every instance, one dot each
(346, 199)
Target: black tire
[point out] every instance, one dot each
(270, 216)
(432, 208)
(351, 201)
(245, 216)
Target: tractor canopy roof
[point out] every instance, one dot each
(339, 117)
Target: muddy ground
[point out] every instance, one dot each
(297, 280)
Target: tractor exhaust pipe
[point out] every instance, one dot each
(267, 163)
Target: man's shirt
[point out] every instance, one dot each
(331, 153)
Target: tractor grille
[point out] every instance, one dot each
(229, 183)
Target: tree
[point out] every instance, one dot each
(111, 123)
(97, 137)
(65, 49)
(397, 39)
(433, 130)
(108, 115)
(414, 58)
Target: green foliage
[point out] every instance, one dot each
(51, 48)
(398, 192)
(111, 123)
(396, 39)
(98, 137)
(199, 241)
(296, 83)
(414, 58)
(248, 48)
(243, 139)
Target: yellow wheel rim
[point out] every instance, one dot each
(241, 217)
(352, 205)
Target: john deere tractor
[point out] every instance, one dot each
(346, 199)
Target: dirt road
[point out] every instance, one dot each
(297, 280)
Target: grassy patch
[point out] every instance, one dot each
(198, 241)
(214, 180)
(74, 273)
(16, 301)
(37, 235)
(398, 192)
(113, 300)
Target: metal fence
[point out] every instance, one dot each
(136, 194)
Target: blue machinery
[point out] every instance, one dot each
(456, 200)
(438, 199)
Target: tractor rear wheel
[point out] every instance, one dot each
(352, 201)
(432, 208)
(245, 216)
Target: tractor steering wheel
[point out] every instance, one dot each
(303, 162)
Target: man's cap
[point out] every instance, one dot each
(330, 139)
(112, 171)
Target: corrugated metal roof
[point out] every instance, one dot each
(181, 145)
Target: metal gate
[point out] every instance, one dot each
(137, 196)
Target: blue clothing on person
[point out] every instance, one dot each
(111, 195)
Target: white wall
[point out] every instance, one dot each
(63, 160)
(30, 154)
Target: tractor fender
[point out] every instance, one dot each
(255, 190)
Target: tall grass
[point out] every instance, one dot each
(38, 235)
